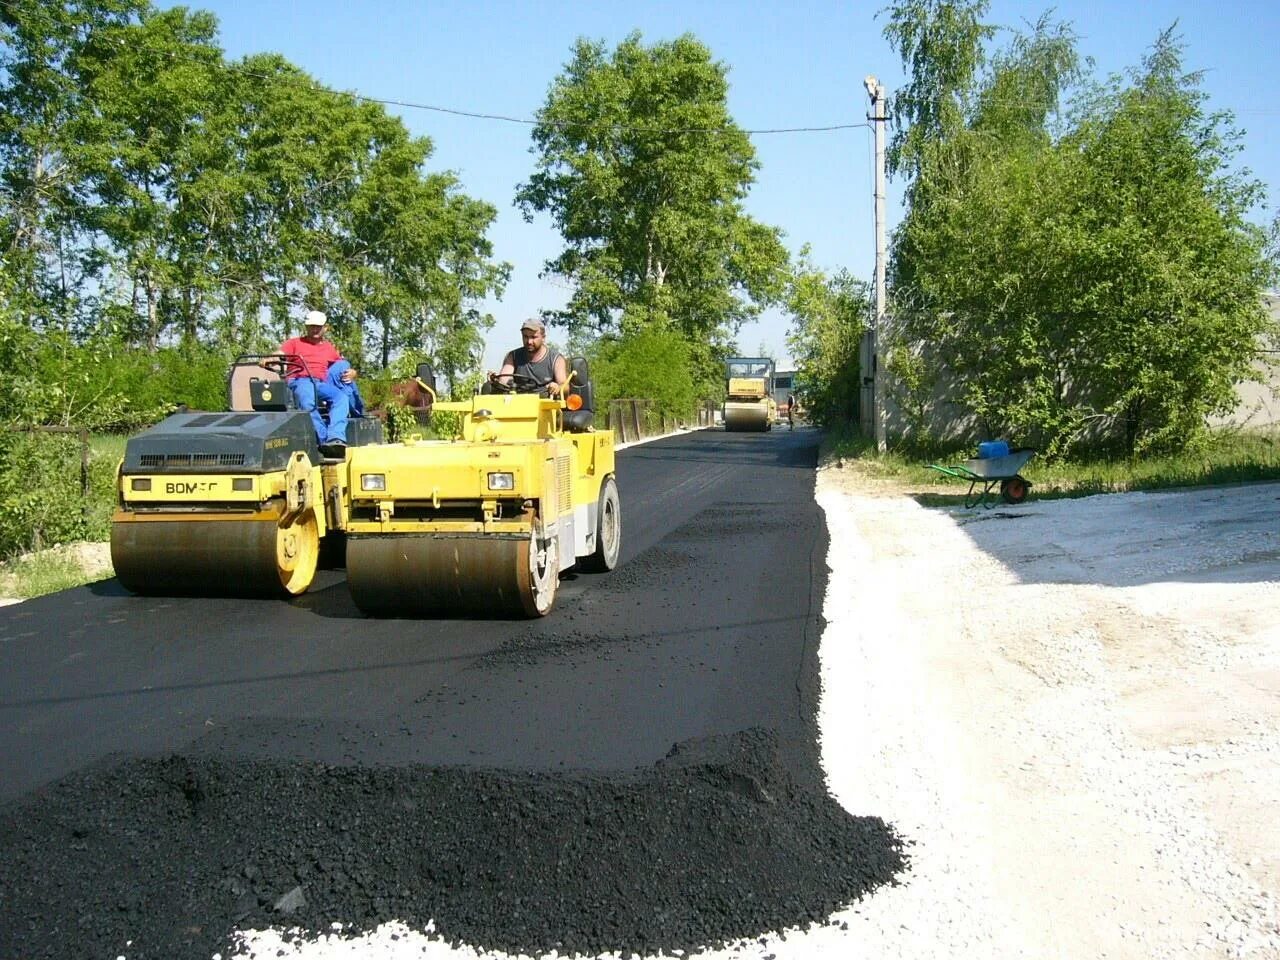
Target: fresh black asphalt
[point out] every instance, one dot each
(637, 771)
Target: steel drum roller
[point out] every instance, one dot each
(258, 557)
(746, 416)
(443, 574)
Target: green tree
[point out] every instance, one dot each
(144, 152)
(1179, 267)
(421, 261)
(341, 214)
(644, 173)
(43, 234)
(154, 195)
(17, 353)
(651, 362)
(1093, 279)
(828, 319)
(941, 44)
(975, 299)
(270, 121)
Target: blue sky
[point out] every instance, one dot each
(798, 64)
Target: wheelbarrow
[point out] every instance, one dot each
(992, 472)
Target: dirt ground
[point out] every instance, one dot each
(94, 559)
(1072, 707)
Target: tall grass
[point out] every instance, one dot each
(1221, 457)
(36, 574)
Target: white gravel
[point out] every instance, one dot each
(1070, 708)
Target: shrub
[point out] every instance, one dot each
(41, 501)
(653, 362)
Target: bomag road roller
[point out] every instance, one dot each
(230, 503)
(483, 522)
(748, 402)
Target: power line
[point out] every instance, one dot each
(453, 111)
(313, 86)
(895, 98)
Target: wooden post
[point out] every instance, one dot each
(84, 475)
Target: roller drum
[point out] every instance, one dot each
(204, 557)
(748, 417)
(439, 574)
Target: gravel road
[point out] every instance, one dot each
(1072, 710)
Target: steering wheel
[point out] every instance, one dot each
(520, 383)
(277, 364)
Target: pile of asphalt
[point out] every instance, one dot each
(723, 840)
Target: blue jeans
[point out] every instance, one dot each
(344, 402)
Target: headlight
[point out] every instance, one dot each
(373, 481)
(502, 481)
(142, 484)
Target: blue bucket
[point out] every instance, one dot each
(993, 448)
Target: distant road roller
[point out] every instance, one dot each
(484, 522)
(230, 503)
(749, 403)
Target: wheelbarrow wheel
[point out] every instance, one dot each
(1014, 490)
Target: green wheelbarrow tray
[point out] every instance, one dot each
(992, 472)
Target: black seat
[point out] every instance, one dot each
(582, 419)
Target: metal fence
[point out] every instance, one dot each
(634, 419)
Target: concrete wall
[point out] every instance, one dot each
(1259, 404)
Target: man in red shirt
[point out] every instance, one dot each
(317, 369)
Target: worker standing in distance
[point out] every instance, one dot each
(534, 361)
(318, 370)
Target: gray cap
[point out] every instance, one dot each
(316, 318)
(534, 324)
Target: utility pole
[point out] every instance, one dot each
(875, 90)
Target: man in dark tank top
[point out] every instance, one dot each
(534, 362)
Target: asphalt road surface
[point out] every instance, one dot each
(171, 768)
(701, 630)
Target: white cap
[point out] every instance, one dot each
(316, 318)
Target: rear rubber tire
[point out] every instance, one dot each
(608, 530)
(1014, 490)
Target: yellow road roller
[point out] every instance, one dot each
(749, 403)
(483, 522)
(230, 503)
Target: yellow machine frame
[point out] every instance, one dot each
(220, 532)
(482, 522)
(749, 403)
